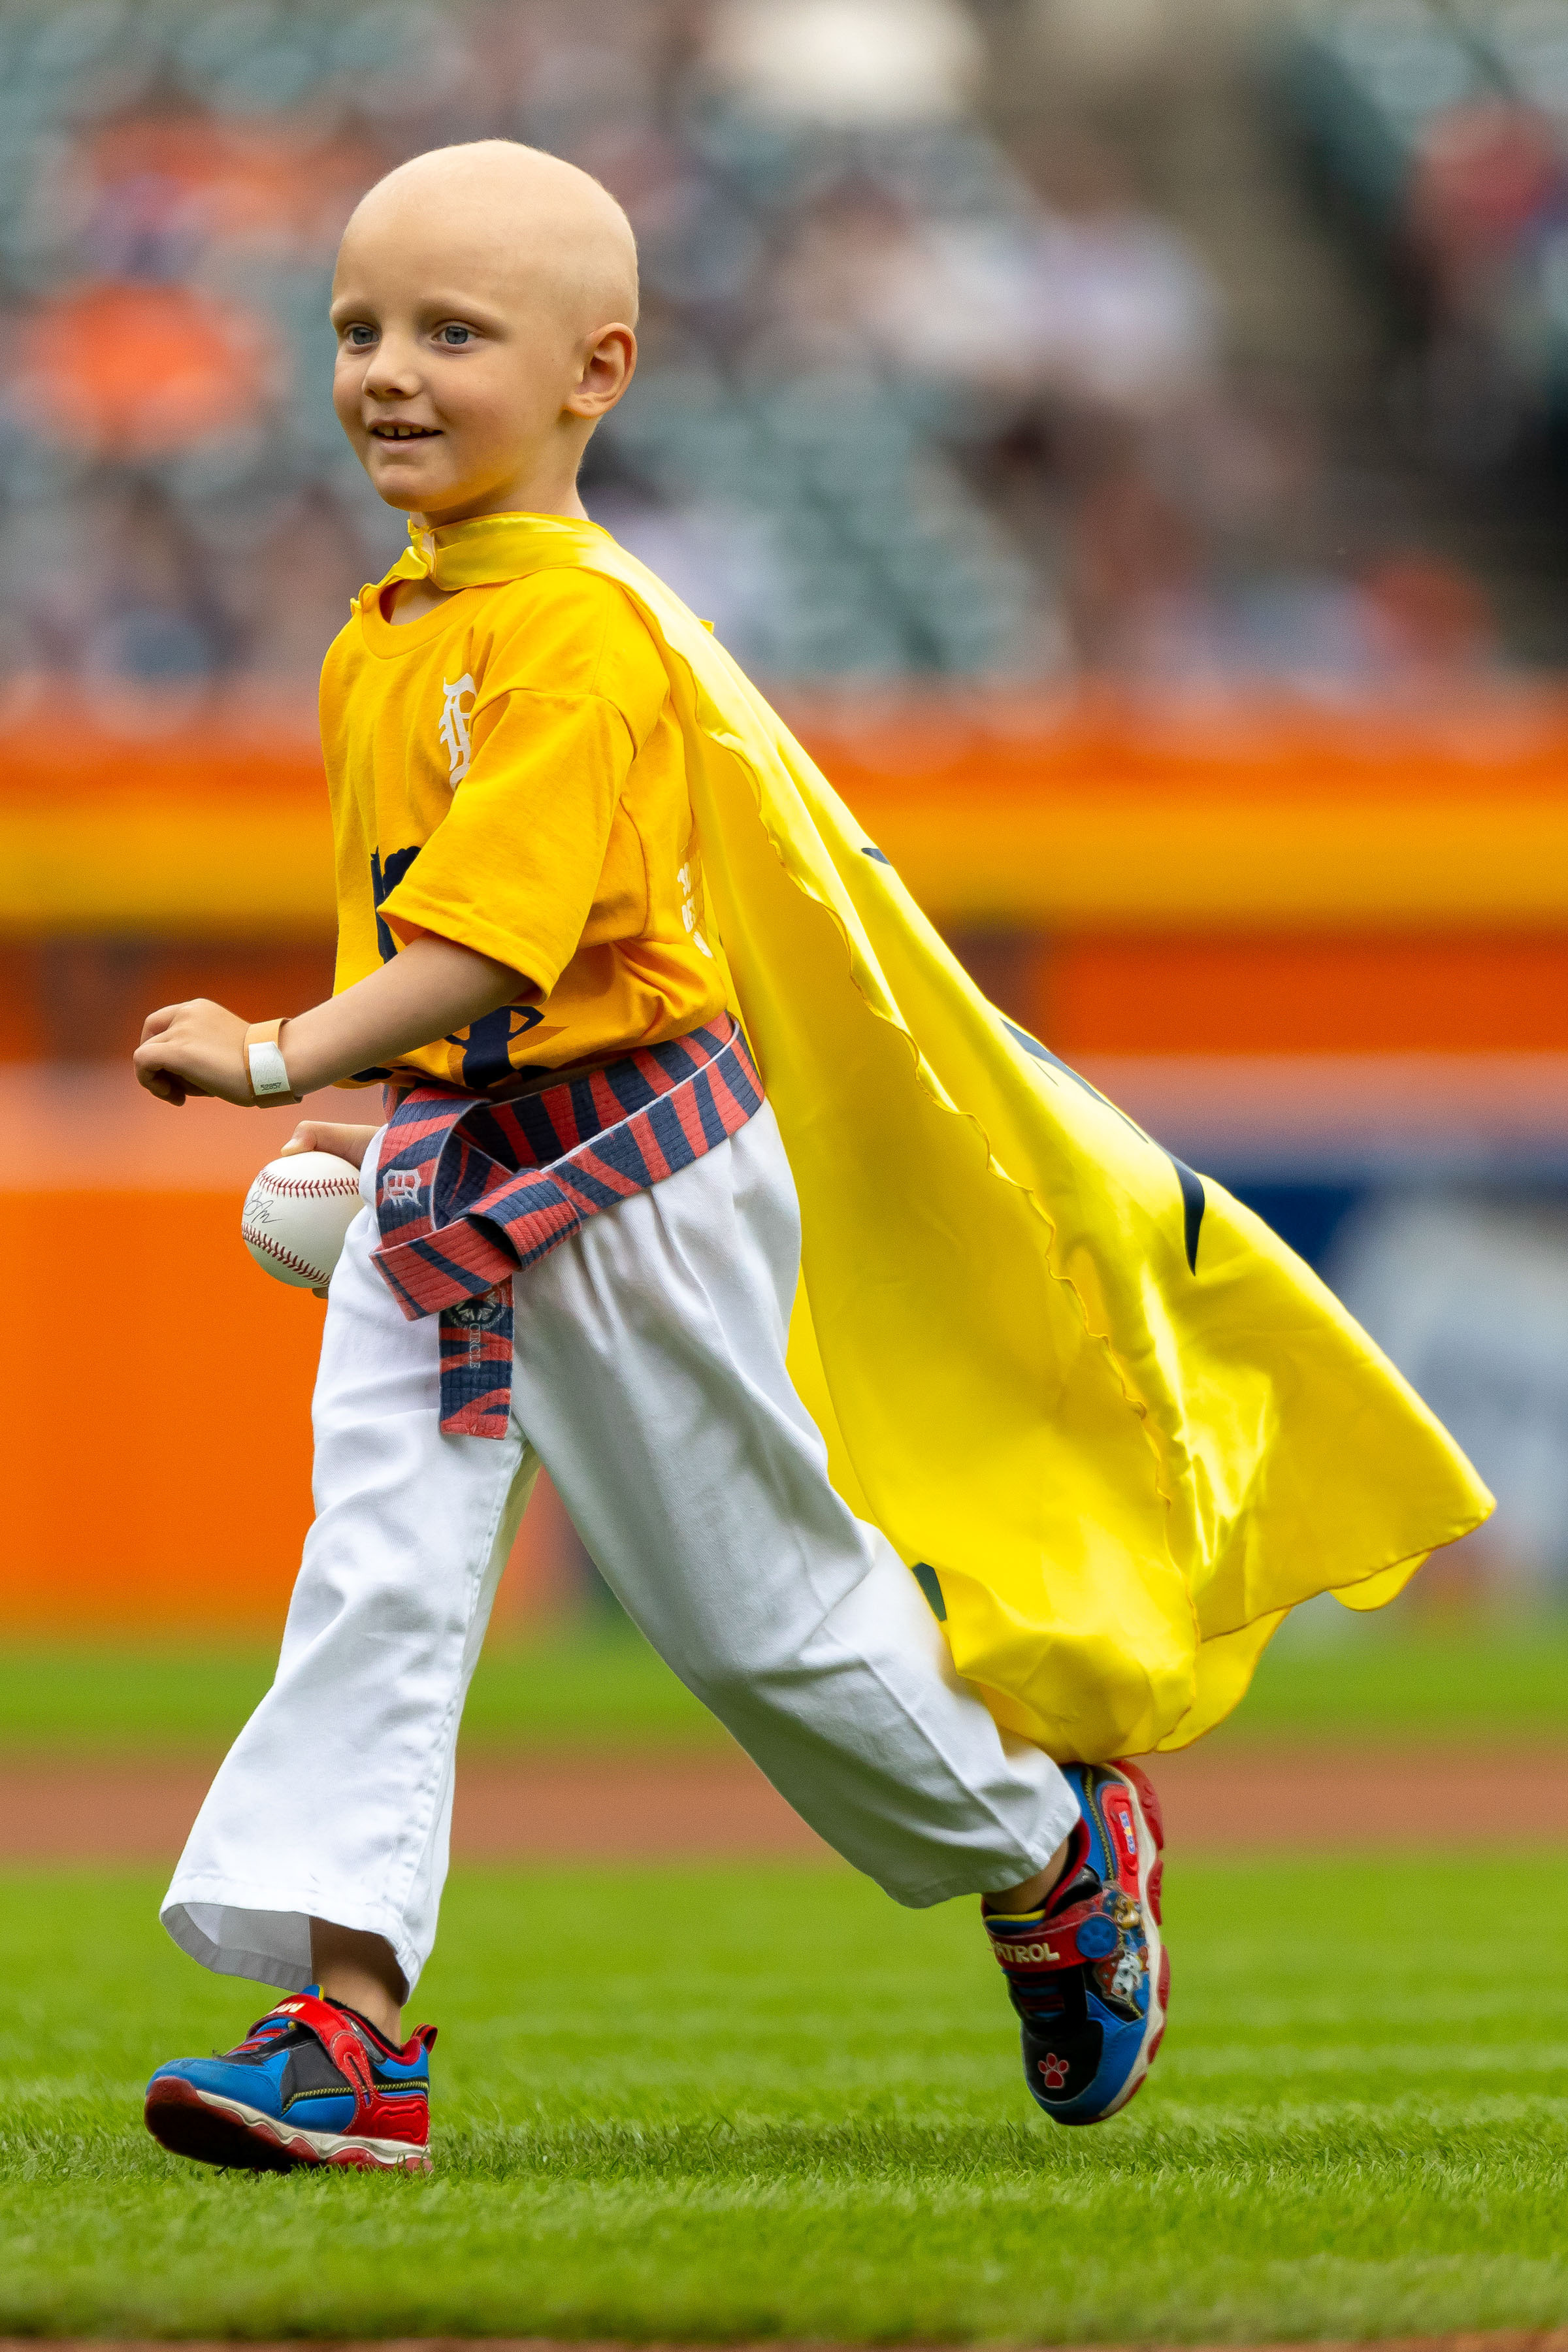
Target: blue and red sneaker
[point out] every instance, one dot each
(312, 2082)
(1088, 1972)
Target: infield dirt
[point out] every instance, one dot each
(648, 1806)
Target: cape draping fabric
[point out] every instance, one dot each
(1121, 1423)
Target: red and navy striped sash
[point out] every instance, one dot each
(469, 1193)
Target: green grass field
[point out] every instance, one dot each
(719, 2104)
(687, 2103)
(1395, 1676)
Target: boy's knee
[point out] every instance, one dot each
(738, 1678)
(376, 1593)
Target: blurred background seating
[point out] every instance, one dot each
(1126, 436)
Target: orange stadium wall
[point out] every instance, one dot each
(156, 1414)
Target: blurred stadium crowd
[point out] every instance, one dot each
(915, 399)
(1446, 129)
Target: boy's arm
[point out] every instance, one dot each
(430, 989)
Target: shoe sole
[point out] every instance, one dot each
(1151, 1823)
(211, 2129)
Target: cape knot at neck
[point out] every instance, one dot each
(485, 548)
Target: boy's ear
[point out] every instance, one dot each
(609, 367)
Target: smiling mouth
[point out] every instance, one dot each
(404, 433)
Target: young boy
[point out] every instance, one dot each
(522, 956)
(1081, 1401)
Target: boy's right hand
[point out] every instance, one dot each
(349, 1143)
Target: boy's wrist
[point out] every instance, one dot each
(265, 1066)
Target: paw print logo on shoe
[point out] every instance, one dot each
(1054, 2071)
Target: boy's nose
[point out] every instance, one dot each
(391, 372)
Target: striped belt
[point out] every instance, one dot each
(468, 1192)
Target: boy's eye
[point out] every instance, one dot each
(454, 336)
(358, 338)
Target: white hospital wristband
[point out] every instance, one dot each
(264, 1061)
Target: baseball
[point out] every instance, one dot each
(296, 1214)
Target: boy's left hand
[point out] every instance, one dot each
(194, 1049)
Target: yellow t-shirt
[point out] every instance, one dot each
(508, 773)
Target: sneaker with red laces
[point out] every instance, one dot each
(312, 2082)
(1087, 1971)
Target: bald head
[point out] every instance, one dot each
(519, 216)
(485, 299)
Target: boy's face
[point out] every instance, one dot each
(466, 378)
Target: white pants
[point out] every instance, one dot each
(649, 1381)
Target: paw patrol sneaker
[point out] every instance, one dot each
(1088, 1972)
(312, 2082)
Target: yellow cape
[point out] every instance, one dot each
(1116, 1427)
